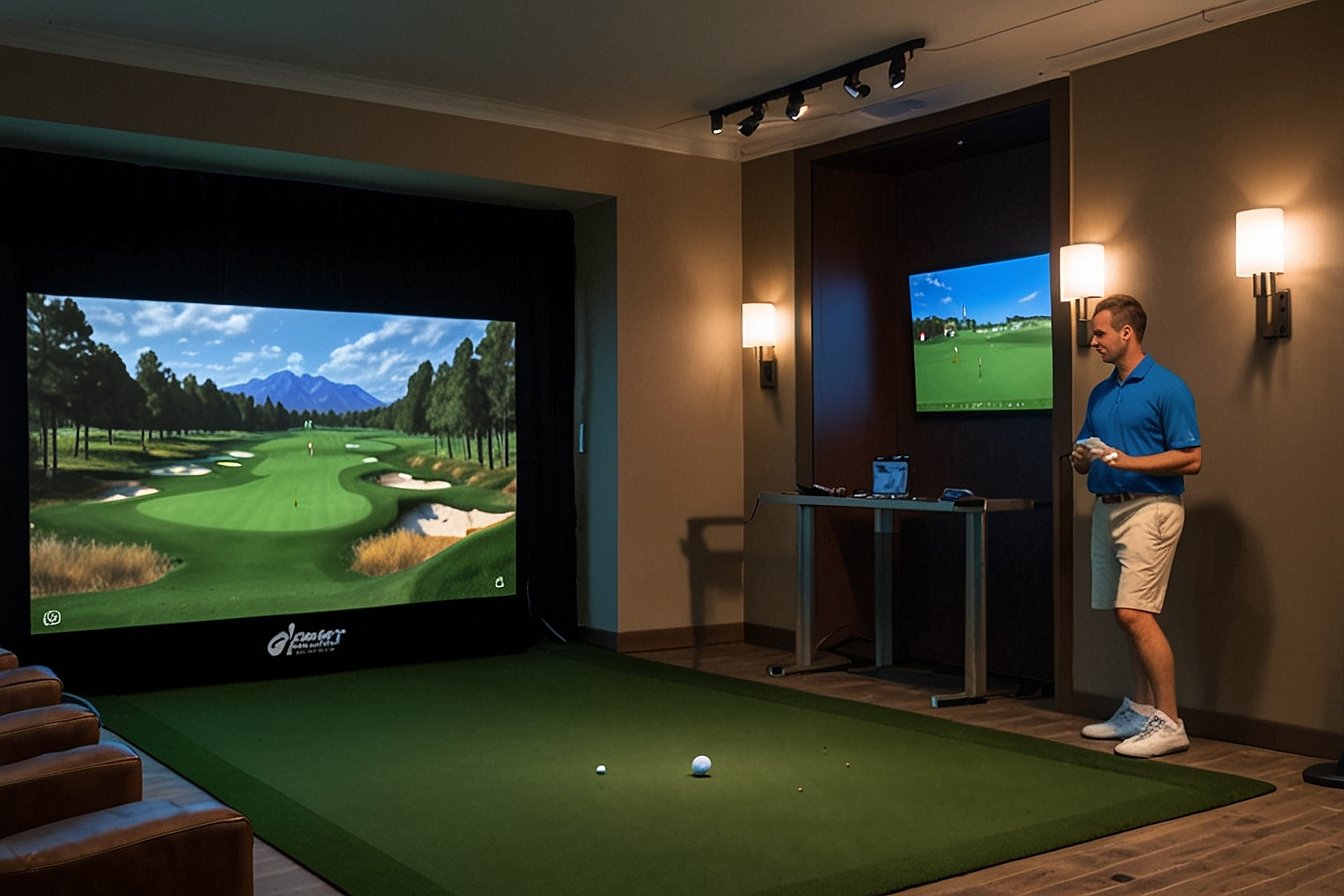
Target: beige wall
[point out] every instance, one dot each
(666, 436)
(769, 416)
(1167, 146)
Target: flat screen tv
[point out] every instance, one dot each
(982, 336)
(190, 463)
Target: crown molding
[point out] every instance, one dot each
(259, 73)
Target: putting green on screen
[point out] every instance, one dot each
(1006, 369)
(289, 490)
(266, 527)
(478, 777)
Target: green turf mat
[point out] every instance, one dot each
(478, 777)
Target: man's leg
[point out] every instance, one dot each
(1142, 690)
(1155, 666)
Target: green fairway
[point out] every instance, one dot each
(1000, 368)
(267, 527)
(288, 490)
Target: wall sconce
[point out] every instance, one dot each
(1082, 276)
(1260, 257)
(758, 332)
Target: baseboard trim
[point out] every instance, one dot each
(664, 638)
(769, 636)
(598, 637)
(1235, 729)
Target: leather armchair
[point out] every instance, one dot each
(147, 848)
(54, 786)
(25, 687)
(46, 729)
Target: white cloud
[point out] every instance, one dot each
(294, 363)
(161, 319)
(102, 316)
(359, 357)
(431, 333)
(1027, 298)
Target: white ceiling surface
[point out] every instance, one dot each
(640, 73)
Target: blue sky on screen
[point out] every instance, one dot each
(988, 293)
(231, 344)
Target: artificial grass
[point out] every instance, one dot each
(477, 777)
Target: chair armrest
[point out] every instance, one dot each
(53, 786)
(27, 687)
(147, 848)
(46, 729)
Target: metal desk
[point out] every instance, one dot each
(975, 510)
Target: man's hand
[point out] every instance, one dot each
(1080, 457)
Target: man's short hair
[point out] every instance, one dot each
(1125, 311)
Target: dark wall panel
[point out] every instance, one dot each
(870, 230)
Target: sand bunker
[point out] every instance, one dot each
(228, 463)
(180, 470)
(127, 490)
(406, 480)
(369, 460)
(441, 520)
(242, 454)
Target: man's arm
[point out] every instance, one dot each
(1174, 462)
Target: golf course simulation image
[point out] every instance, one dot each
(210, 475)
(982, 336)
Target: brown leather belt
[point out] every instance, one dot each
(1117, 498)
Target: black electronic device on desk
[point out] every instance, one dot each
(822, 491)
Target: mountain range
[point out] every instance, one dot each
(307, 393)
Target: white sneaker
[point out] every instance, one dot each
(1127, 722)
(1158, 738)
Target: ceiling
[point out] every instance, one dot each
(640, 73)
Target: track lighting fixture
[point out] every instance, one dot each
(856, 88)
(896, 74)
(747, 126)
(849, 72)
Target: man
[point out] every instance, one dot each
(1138, 441)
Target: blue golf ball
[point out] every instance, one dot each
(700, 766)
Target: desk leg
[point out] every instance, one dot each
(975, 617)
(807, 589)
(804, 635)
(884, 527)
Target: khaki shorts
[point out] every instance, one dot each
(1133, 545)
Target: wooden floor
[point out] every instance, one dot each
(1290, 842)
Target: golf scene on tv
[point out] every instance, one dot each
(193, 462)
(982, 336)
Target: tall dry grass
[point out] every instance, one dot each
(465, 472)
(58, 566)
(389, 552)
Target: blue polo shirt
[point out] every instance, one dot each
(1151, 411)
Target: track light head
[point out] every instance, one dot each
(856, 88)
(797, 106)
(896, 74)
(747, 126)
(716, 122)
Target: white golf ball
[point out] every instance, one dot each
(601, 769)
(700, 766)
